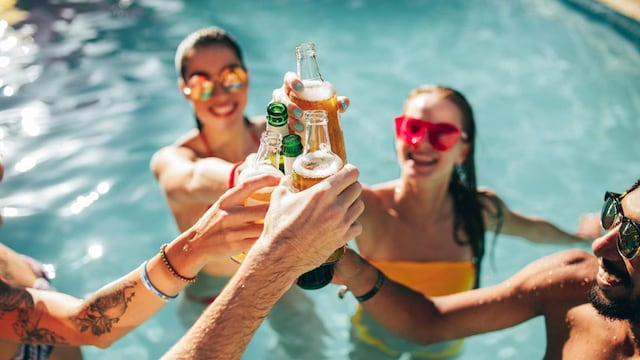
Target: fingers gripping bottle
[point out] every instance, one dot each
(319, 94)
(316, 163)
(266, 162)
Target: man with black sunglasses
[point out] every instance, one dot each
(591, 304)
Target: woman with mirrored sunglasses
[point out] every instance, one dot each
(426, 229)
(199, 167)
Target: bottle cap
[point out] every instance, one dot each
(291, 145)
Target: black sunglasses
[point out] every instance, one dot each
(629, 232)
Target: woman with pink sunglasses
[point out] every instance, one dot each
(426, 229)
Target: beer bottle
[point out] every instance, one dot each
(315, 164)
(266, 162)
(277, 121)
(319, 94)
(291, 149)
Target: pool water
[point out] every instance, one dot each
(88, 93)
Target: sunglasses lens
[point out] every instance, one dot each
(609, 212)
(233, 79)
(628, 240)
(444, 136)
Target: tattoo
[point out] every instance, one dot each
(105, 310)
(26, 325)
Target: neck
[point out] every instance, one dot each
(232, 144)
(419, 200)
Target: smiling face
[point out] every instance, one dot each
(617, 292)
(422, 159)
(223, 109)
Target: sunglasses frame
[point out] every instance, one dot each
(611, 198)
(427, 131)
(203, 87)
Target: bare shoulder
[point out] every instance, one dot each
(379, 195)
(184, 149)
(563, 276)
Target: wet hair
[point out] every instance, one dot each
(634, 186)
(462, 186)
(202, 38)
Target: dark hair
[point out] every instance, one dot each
(202, 38)
(463, 187)
(634, 186)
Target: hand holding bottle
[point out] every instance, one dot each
(293, 84)
(318, 220)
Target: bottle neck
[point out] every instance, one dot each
(269, 150)
(308, 68)
(317, 133)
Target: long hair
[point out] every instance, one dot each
(462, 186)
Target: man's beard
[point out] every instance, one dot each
(619, 309)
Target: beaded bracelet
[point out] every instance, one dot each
(371, 293)
(144, 275)
(172, 270)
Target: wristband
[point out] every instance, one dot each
(149, 285)
(371, 293)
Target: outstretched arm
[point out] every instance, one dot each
(186, 178)
(301, 230)
(554, 281)
(44, 317)
(498, 216)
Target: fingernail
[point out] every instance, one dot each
(297, 113)
(298, 127)
(298, 86)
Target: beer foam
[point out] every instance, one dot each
(317, 165)
(317, 90)
(259, 169)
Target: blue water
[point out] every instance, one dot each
(88, 93)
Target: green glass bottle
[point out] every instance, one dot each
(277, 122)
(291, 149)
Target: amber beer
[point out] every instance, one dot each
(316, 164)
(320, 95)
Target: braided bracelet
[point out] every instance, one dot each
(144, 275)
(371, 293)
(172, 270)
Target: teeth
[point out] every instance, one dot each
(608, 277)
(223, 109)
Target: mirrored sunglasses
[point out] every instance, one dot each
(629, 232)
(231, 79)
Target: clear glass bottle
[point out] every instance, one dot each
(316, 163)
(267, 161)
(319, 94)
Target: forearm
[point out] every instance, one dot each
(395, 307)
(225, 328)
(49, 317)
(542, 231)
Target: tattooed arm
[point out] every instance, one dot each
(33, 316)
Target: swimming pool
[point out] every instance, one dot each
(86, 103)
